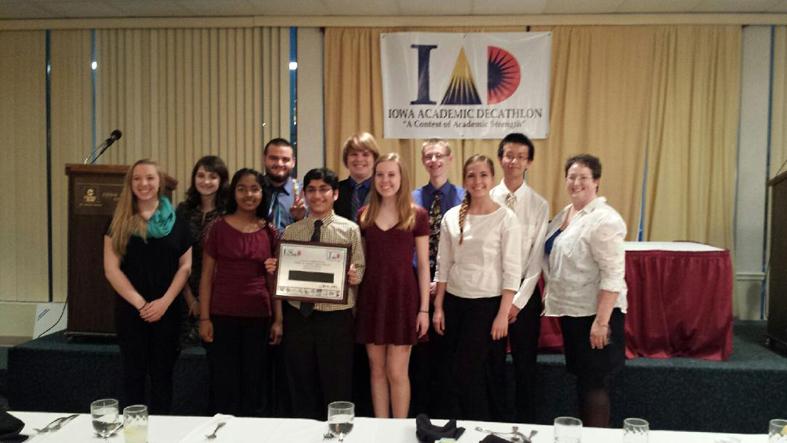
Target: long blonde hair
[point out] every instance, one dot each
(126, 221)
(404, 201)
(466, 201)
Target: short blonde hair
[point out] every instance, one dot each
(362, 141)
(436, 142)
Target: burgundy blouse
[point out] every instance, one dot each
(239, 277)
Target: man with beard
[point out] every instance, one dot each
(284, 205)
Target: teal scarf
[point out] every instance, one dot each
(161, 222)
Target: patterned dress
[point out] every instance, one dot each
(198, 223)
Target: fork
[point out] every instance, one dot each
(56, 424)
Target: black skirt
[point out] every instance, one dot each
(594, 365)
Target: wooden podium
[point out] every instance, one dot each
(93, 192)
(777, 274)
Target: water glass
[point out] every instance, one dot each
(635, 430)
(105, 415)
(777, 431)
(135, 424)
(340, 418)
(568, 430)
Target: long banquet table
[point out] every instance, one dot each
(680, 302)
(168, 429)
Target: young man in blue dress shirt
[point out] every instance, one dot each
(437, 197)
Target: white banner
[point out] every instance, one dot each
(477, 85)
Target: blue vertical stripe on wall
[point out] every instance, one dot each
(48, 106)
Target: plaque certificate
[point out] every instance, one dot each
(312, 272)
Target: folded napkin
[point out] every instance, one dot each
(426, 432)
(491, 438)
(10, 427)
(198, 434)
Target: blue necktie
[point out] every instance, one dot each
(355, 202)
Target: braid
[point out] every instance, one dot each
(463, 215)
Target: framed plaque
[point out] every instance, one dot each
(312, 271)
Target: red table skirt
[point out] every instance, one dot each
(679, 305)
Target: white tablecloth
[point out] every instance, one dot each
(681, 246)
(366, 430)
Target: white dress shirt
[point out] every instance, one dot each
(489, 258)
(532, 211)
(586, 258)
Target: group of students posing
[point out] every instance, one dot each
(444, 273)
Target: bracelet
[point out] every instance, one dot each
(143, 306)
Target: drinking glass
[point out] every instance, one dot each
(568, 430)
(105, 417)
(635, 430)
(777, 431)
(135, 424)
(340, 418)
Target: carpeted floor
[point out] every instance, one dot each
(739, 395)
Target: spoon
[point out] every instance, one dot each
(212, 435)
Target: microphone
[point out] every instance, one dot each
(113, 137)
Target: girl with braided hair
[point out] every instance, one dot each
(478, 272)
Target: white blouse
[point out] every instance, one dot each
(532, 211)
(489, 258)
(586, 258)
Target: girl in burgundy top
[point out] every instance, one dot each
(236, 307)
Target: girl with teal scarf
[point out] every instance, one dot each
(147, 260)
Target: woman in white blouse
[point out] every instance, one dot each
(584, 270)
(478, 272)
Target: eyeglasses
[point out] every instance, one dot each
(519, 158)
(579, 178)
(434, 156)
(320, 190)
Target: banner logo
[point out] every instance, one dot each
(465, 85)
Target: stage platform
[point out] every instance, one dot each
(739, 395)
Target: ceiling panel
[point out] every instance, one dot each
(80, 8)
(290, 7)
(734, 5)
(149, 8)
(421, 7)
(582, 6)
(508, 7)
(22, 9)
(363, 7)
(661, 6)
(220, 8)
(780, 6)
(25, 9)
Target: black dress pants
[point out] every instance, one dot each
(467, 346)
(148, 349)
(523, 337)
(318, 351)
(237, 359)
